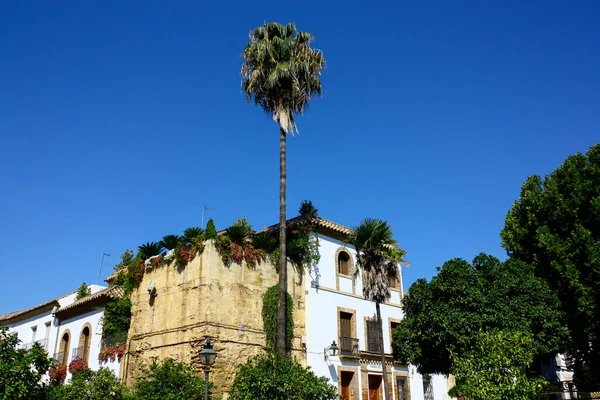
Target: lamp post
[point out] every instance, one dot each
(207, 358)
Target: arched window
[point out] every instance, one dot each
(343, 263)
(63, 350)
(83, 349)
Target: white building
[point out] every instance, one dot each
(337, 311)
(66, 328)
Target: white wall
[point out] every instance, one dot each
(75, 326)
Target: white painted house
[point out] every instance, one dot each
(337, 311)
(66, 328)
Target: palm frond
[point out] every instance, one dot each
(239, 232)
(169, 242)
(150, 249)
(281, 71)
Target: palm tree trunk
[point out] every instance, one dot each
(281, 306)
(382, 352)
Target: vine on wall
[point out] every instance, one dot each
(269, 316)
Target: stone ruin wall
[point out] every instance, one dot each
(206, 298)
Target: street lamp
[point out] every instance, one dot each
(332, 349)
(207, 358)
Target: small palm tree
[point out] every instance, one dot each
(378, 259)
(281, 72)
(239, 232)
(150, 249)
(169, 242)
(191, 235)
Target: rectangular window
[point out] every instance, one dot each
(347, 334)
(343, 263)
(46, 336)
(393, 326)
(401, 388)
(372, 326)
(33, 333)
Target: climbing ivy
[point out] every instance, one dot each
(269, 316)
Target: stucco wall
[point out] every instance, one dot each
(205, 298)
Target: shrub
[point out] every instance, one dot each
(276, 377)
(169, 380)
(91, 385)
(83, 291)
(77, 365)
(57, 374)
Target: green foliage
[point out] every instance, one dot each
(20, 369)
(266, 242)
(211, 231)
(443, 318)
(377, 257)
(493, 368)
(83, 291)
(130, 271)
(192, 235)
(169, 242)
(555, 226)
(276, 377)
(168, 379)
(116, 321)
(302, 246)
(307, 209)
(269, 316)
(281, 71)
(91, 385)
(150, 249)
(239, 232)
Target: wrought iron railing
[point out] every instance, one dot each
(349, 347)
(77, 352)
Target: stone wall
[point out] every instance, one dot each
(206, 299)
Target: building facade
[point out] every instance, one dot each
(337, 311)
(66, 328)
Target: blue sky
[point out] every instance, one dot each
(120, 120)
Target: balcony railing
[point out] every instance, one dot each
(77, 352)
(60, 358)
(42, 342)
(349, 347)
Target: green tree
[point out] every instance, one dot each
(116, 321)
(308, 209)
(281, 72)
(83, 291)
(555, 226)
(91, 385)
(20, 369)
(272, 376)
(211, 231)
(443, 318)
(493, 368)
(378, 259)
(168, 379)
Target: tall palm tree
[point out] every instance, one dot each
(378, 259)
(281, 72)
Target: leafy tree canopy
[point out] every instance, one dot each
(276, 377)
(555, 226)
(492, 369)
(443, 317)
(168, 379)
(20, 369)
(91, 385)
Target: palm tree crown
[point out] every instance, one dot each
(377, 257)
(281, 71)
